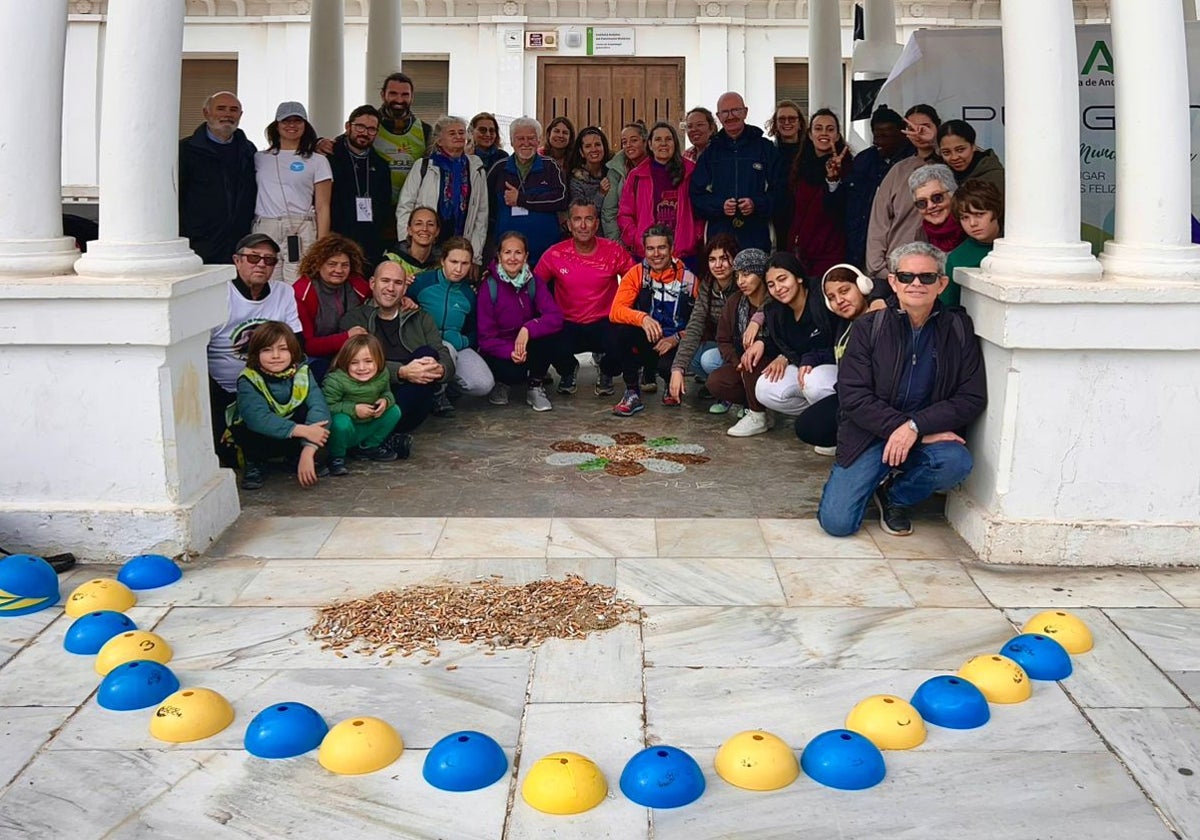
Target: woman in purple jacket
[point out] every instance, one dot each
(518, 324)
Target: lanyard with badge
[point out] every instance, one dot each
(363, 211)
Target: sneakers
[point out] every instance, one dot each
(706, 394)
(892, 518)
(630, 404)
(670, 400)
(753, 423)
(604, 386)
(567, 385)
(649, 381)
(499, 394)
(375, 453)
(537, 399)
(400, 444)
(827, 451)
(252, 476)
(720, 407)
(337, 466)
(442, 407)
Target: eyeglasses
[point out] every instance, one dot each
(255, 259)
(935, 200)
(927, 278)
(782, 118)
(365, 129)
(731, 112)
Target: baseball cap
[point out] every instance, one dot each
(290, 109)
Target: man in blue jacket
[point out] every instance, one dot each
(910, 382)
(737, 178)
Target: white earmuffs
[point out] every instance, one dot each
(865, 284)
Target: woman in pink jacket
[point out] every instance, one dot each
(656, 193)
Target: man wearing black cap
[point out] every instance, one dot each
(253, 298)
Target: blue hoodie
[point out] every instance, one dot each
(451, 305)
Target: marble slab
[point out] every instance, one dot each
(710, 538)
(1188, 682)
(275, 536)
(1161, 748)
(513, 537)
(1181, 584)
(700, 581)
(602, 570)
(603, 538)
(16, 633)
(1168, 637)
(604, 667)
(23, 731)
(1047, 587)
(841, 583)
(362, 537)
(930, 540)
(938, 583)
(207, 583)
(806, 538)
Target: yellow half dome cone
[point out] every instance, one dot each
(127, 647)
(100, 594)
(887, 721)
(191, 715)
(359, 745)
(999, 678)
(1063, 627)
(564, 783)
(757, 760)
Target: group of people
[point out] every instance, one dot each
(745, 262)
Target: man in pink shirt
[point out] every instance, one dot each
(584, 271)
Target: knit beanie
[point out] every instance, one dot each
(751, 261)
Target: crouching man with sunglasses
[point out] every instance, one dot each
(910, 382)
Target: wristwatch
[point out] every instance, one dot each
(912, 424)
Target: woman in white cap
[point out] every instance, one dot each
(294, 187)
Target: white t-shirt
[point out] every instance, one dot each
(227, 345)
(287, 181)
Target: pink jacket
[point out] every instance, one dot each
(636, 212)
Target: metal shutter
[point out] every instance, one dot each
(202, 77)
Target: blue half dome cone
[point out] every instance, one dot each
(27, 584)
(463, 761)
(1040, 656)
(662, 777)
(88, 633)
(951, 702)
(149, 571)
(285, 730)
(139, 684)
(844, 760)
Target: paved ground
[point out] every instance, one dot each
(749, 623)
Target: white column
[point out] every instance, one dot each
(139, 150)
(825, 88)
(1041, 213)
(31, 240)
(1154, 206)
(383, 45)
(326, 36)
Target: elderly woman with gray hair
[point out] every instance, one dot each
(932, 189)
(527, 192)
(452, 182)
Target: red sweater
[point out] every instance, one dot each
(307, 304)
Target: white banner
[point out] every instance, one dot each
(960, 73)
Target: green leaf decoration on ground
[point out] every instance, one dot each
(662, 441)
(594, 465)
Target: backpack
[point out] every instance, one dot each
(494, 290)
(960, 331)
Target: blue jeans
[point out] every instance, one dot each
(927, 470)
(707, 359)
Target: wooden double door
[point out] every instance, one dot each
(611, 92)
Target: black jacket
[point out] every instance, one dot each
(215, 209)
(808, 341)
(871, 370)
(747, 167)
(374, 180)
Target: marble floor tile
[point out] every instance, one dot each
(44, 674)
(213, 583)
(707, 581)
(825, 637)
(840, 583)
(316, 583)
(370, 536)
(275, 536)
(1114, 673)
(703, 707)
(239, 796)
(805, 538)
(602, 570)
(710, 538)
(1181, 584)
(1000, 796)
(608, 734)
(514, 537)
(16, 633)
(1168, 637)
(1047, 587)
(938, 583)
(1161, 748)
(602, 538)
(23, 731)
(604, 667)
(1188, 682)
(930, 540)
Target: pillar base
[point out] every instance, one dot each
(23, 257)
(1058, 261)
(169, 258)
(1158, 262)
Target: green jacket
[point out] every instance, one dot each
(343, 393)
(417, 329)
(617, 169)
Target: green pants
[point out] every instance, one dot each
(345, 431)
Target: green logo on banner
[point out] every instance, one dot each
(1101, 55)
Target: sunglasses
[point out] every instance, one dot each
(927, 278)
(255, 259)
(935, 200)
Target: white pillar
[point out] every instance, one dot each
(31, 240)
(1041, 212)
(139, 157)
(326, 75)
(825, 88)
(1154, 206)
(383, 45)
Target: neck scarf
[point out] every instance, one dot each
(518, 282)
(332, 303)
(946, 236)
(454, 190)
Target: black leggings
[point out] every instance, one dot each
(818, 424)
(597, 337)
(637, 354)
(258, 448)
(538, 354)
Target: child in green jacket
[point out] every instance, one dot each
(363, 408)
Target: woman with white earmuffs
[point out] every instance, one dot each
(846, 291)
